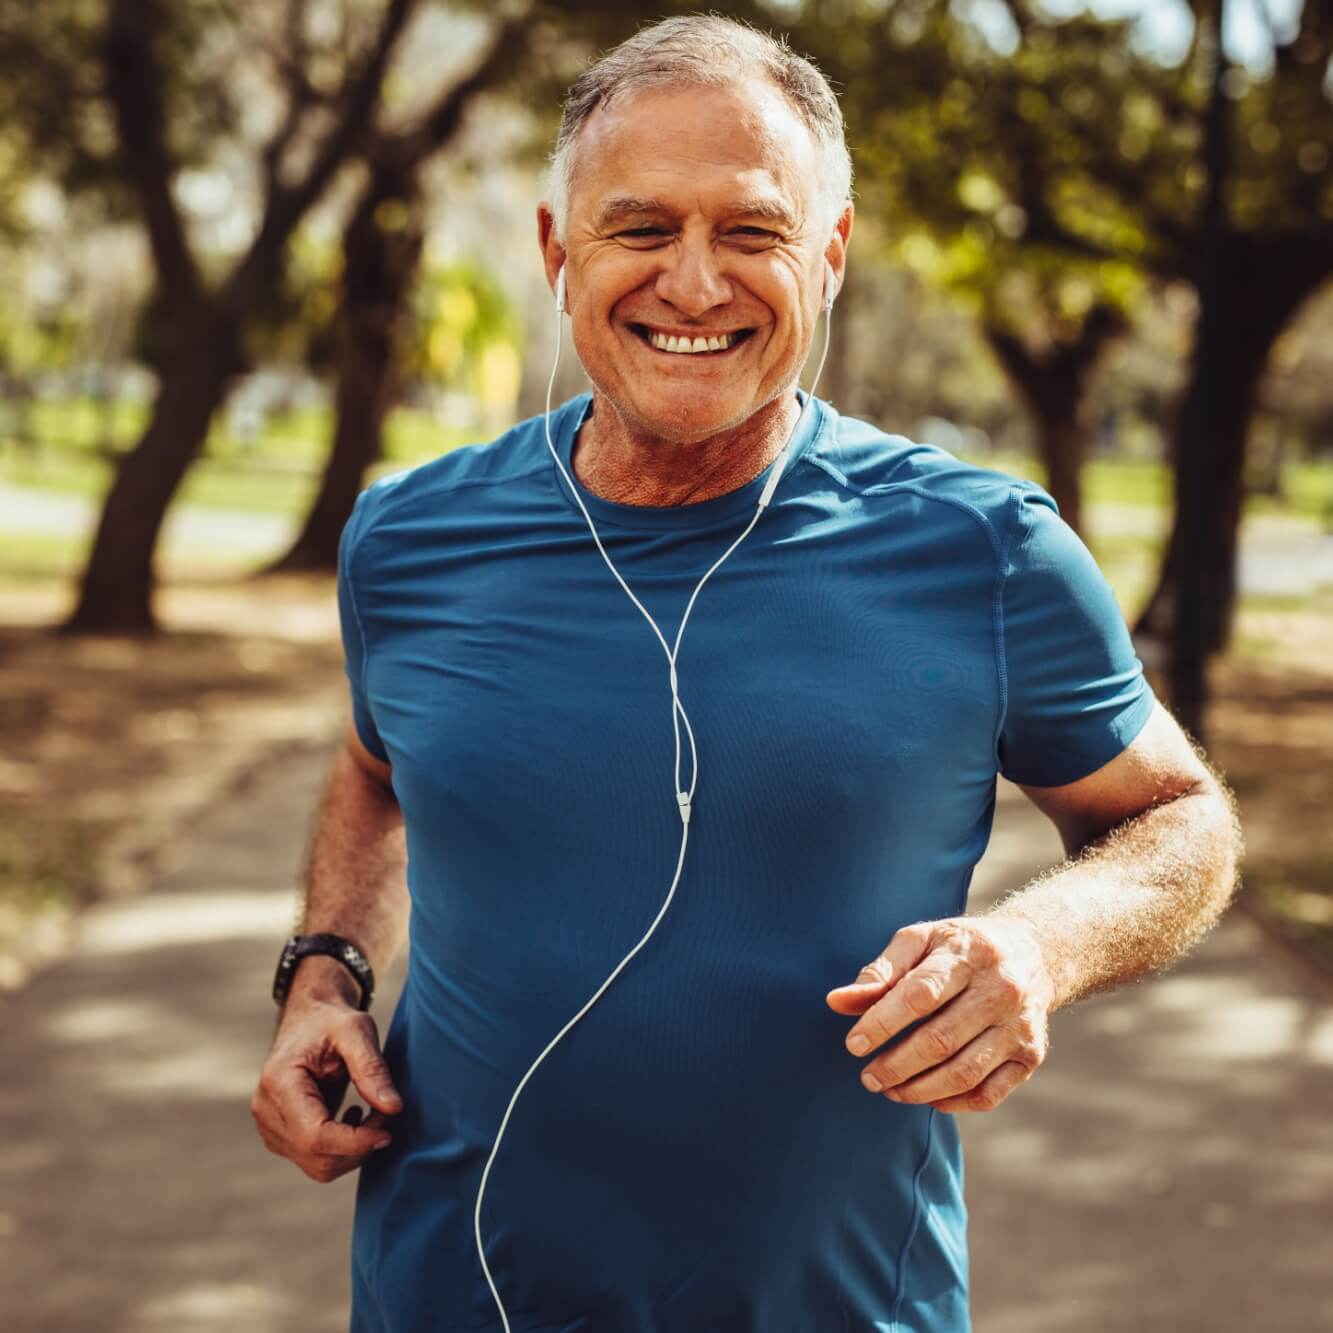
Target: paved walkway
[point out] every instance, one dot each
(1168, 1171)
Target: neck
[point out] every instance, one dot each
(619, 462)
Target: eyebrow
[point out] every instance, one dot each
(620, 208)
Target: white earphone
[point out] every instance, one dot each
(683, 797)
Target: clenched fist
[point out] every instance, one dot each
(319, 1046)
(983, 991)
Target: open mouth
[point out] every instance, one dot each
(702, 345)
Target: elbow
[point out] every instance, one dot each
(1224, 839)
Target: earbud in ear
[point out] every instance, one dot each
(830, 286)
(560, 291)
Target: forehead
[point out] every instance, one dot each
(689, 147)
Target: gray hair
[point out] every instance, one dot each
(706, 50)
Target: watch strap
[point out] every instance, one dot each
(331, 946)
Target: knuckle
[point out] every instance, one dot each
(985, 1099)
(1028, 1045)
(937, 1042)
(971, 1071)
(921, 995)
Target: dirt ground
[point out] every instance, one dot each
(110, 746)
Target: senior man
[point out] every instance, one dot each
(711, 1147)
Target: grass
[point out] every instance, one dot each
(76, 441)
(77, 447)
(1306, 487)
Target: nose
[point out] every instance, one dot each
(691, 281)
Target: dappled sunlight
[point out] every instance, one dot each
(165, 919)
(1221, 1022)
(232, 1306)
(1177, 1130)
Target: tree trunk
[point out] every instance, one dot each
(1192, 606)
(116, 594)
(1053, 386)
(1060, 442)
(380, 264)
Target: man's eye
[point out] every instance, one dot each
(638, 232)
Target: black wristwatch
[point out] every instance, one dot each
(302, 946)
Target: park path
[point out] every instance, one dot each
(1168, 1171)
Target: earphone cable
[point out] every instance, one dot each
(678, 714)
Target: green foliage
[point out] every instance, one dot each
(463, 322)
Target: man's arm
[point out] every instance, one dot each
(1153, 845)
(355, 887)
(1153, 842)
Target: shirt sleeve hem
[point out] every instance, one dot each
(1120, 735)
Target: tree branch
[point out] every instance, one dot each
(134, 84)
(290, 57)
(441, 122)
(288, 204)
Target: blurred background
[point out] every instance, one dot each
(255, 253)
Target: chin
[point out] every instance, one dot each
(683, 417)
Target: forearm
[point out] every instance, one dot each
(355, 880)
(1136, 898)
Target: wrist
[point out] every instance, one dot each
(323, 944)
(320, 979)
(1039, 952)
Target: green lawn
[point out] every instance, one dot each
(277, 474)
(1307, 487)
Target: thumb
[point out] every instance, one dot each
(361, 1054)
(857, 996)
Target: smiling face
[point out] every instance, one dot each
(694, 223)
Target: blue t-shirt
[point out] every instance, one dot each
(697, 1155)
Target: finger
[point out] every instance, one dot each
(857, 997)
(954, 1077)
(990, 1093)
(359, 1047)
(358, 1141)
(934, 981)
(903, 952)
(327, 1167)
(308, 1128)
(933, 1043)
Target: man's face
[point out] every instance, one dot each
(694, 214)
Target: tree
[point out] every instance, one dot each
(382, 245)
(1061, 133)
(1264, 246)
(203, 322)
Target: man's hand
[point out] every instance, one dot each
(319, 1044)
(982, 989)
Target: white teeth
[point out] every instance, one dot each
(670, 343)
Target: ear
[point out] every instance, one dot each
(835, 253)
(553, 252)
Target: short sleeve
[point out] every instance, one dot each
(1076, 693)
(353, 634)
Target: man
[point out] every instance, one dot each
(700, 1153)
